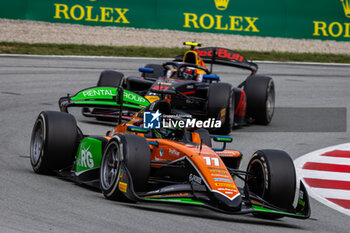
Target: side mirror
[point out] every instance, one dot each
(145, 70)
(218, 138)
(137, 129)
(211, 77)
(224, 139)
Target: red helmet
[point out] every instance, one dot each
(189, 73)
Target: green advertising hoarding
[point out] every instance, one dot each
(313, 19)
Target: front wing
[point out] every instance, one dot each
(187, 194)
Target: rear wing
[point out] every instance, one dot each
(104, 97)
(223, 56)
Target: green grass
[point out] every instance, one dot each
(136, 51)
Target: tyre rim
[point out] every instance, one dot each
(256, 184)
(270, 102)
(37, 142)
(110, 166)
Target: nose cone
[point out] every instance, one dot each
(226, 203)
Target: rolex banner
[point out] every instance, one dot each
(312, 19)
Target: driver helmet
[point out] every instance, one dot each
(189, 73)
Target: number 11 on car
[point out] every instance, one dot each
(209, 161)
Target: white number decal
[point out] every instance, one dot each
(209, 163)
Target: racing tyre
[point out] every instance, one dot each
(54, 142)
(274, 179)
(220, 96)
(205, 136)
(131, 150)
(110, 78)
(260, 92)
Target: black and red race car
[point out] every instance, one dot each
(191, 88)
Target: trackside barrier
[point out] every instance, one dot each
(311, 19)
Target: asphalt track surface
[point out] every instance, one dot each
(37, 203)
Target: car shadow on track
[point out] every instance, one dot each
(198, 212)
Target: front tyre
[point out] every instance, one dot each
(54, 141)
(273, 179)
(134, 153)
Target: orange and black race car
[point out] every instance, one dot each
(176, 165)
(189, 85)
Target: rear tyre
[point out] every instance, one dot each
(274, 181)
(110, 78)
(54, 142)
(260, 91)
(220, 96)
(205, 136)
(134, 152)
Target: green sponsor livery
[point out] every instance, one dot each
(96, 93)
(134, 98)
(88, 155)
(266, 210)
(302, 203)
(223, 139)
(109, 96)
(137, 129)
(177, 200)
(194, 202)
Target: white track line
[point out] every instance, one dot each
(320, 194)
(333, 160)
(332, 193)
(314, 193)
(299, 162)
(326, 175)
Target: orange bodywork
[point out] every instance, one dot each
(205, 160)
